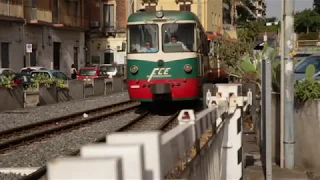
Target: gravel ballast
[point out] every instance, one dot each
(10, 176)
(38, 153)
(16, 118)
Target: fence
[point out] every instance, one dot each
(152, 155)
(306, 43)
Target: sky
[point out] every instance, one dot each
(274, 6)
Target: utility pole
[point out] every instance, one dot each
(288, 85)
(282, 85)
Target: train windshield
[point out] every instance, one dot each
(179, 37)
(143, 38)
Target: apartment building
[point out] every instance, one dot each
(208, 11)
(107, 34)
(55, 29)
(258, 7)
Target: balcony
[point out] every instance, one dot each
(36, 15)
(11, 10)
(184, 1)
(150, 2)
(71, 21)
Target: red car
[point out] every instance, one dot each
(91, 72)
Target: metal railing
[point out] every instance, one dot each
(72, 21)
(9, 9)
(152, 155)
(306, 43)
(34, 14)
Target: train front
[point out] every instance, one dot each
(162, 62)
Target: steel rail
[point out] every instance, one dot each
(10, 144)
(29, 127)
(43, 170)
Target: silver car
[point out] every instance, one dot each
(300, 68)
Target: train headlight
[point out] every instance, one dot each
(134, 69)
(159, 14)
(187, 68)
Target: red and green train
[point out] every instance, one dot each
(167, 56)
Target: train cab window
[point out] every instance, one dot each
(179, 37)
(143, 38)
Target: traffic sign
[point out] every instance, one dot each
(29, 48)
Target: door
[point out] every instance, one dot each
(4, 55)
(33, 57)
(108, 58)
(56, 55)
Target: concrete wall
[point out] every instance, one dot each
(44, 37)
(12, 33)
(307, 133)
(275, 129)
(11, 98)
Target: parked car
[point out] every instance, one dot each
(90, 72)
(6, 71)
(32, 68)
(298, 57)
(300, 68)
(109, 68)
(51, 74)
(23, 79)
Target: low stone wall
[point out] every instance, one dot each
(11, 98)
(76, 89)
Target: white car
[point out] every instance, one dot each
(33, 68)
(111, 70)
(108, 68)
(6, 71)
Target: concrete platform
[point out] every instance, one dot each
(253, 165)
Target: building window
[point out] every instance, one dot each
(108, 58)
(108, 15)
(72, 8)
(4, 55)
(185, 7)
(95, 59)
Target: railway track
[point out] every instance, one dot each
(137, 124)
(12, 138)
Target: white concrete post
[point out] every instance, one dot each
(74, 168)
(131, 157)
(151, 147)
(231, 155)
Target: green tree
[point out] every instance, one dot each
(231, 53)
(307, 21)
(271, 19)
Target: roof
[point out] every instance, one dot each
(169, 14)
(33, 67)
(46, 70)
